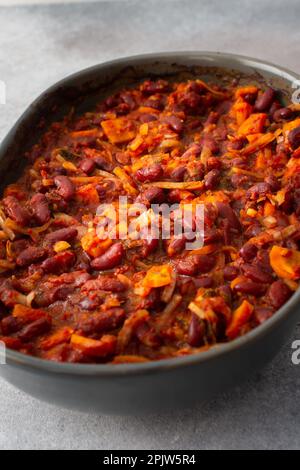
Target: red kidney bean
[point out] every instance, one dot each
(204, 281)
(238, 144)
(103, 163)
(230, 272)
(110, 259)
(150, 87)
(250, 287)
(283, 114)
(149, 173)
(15, 211)
(239, 181)
(123, 158)
(59, 263)
(65, 187)
(106, 283)
(194, 264)
(248, 251)
(87, 165)
(40, 208)
(211, 144)
(147, 336)
(178, 173)
(191, 100)
(63, 234)
(226, 212)
(211, 179)
(196, 332)
(258, 190)
(9, 325)
(261, 314)
(212, 235)
(273, 182)
(256, 274)
(279, 293)
(253, 230)
(294, 138)
(31, 255)
(36, 328)
(176, 246)
(146, 117)
(264, 101)
(155, 195)
(174, 122)
(213, 118)
(101, 322)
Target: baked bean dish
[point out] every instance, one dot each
(77, 286)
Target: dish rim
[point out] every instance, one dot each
(221, 349)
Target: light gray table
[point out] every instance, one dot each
(41, 44)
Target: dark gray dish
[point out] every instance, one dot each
(159, 385)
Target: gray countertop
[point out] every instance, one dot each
(41, 44)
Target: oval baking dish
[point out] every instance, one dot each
(156, 385)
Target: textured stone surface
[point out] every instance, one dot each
(41, 44)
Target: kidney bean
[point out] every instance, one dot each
(103, 163)
(191, 101)
(59, 263)
(196, 332)
(211, 179)
(226, 212)
(10, 325)
(212, 235)
(283, 114)
(155, 195)
(36, 328)
(176, 246)
(279, 293)
(204, 281)
(147, 336)
(87, 165)
(258, 190)
(214, 163)
(253, 230)
(65, 187)
(15, 211)
(150, 87)
(123, 158)
(194, 264)
(273, 182)
(63, 234)
(256, 274)
(248, 251)
(250, 98)
(31, 255)
(101, 322)
(213, 118)
(174, 122)
(89, 304)
(40, 208)
(261, 314)
(239, 181)
(149, 173)
(250, 287)
(294, 138)
(178, 173)
(238, 144)
(230, 272)
(110, 259)
(264, 101)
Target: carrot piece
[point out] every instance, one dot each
(158, 276)
(285, 262)
(60, 336)
(119, 130)
(93, 245)
(259, 143)
(253, 125)
(86, 133)
(103, 347)
(87, 194)
(240, 317)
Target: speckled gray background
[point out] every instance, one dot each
(41, 44)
